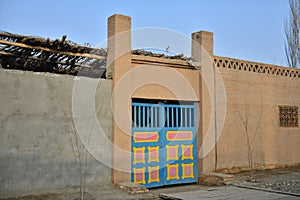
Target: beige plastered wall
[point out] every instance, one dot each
(252, 102)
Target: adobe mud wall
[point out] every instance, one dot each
(254, 91)
(39, 149)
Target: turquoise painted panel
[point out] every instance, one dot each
(164, 148)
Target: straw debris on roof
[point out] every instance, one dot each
(54, 56)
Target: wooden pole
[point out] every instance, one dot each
(86, 55)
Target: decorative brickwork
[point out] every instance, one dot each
(288, 116)
(237, 64)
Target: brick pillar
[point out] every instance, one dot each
(202, 52)
(119, 43)
(206, 40)
(118, 63)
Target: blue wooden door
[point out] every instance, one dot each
(164, 148)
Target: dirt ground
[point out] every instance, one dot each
(287, 180)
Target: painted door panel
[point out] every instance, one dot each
(163, 144)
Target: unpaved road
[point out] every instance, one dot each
(287, 180)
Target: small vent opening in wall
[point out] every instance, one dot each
(288, 116)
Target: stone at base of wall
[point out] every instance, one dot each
(213, 178)
(132, 188)
(256, 166)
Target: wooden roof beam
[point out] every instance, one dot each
(86, 55)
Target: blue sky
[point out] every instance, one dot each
(245, 29)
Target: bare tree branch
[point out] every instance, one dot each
(259, 119)
(246, 124)
(291, 28)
